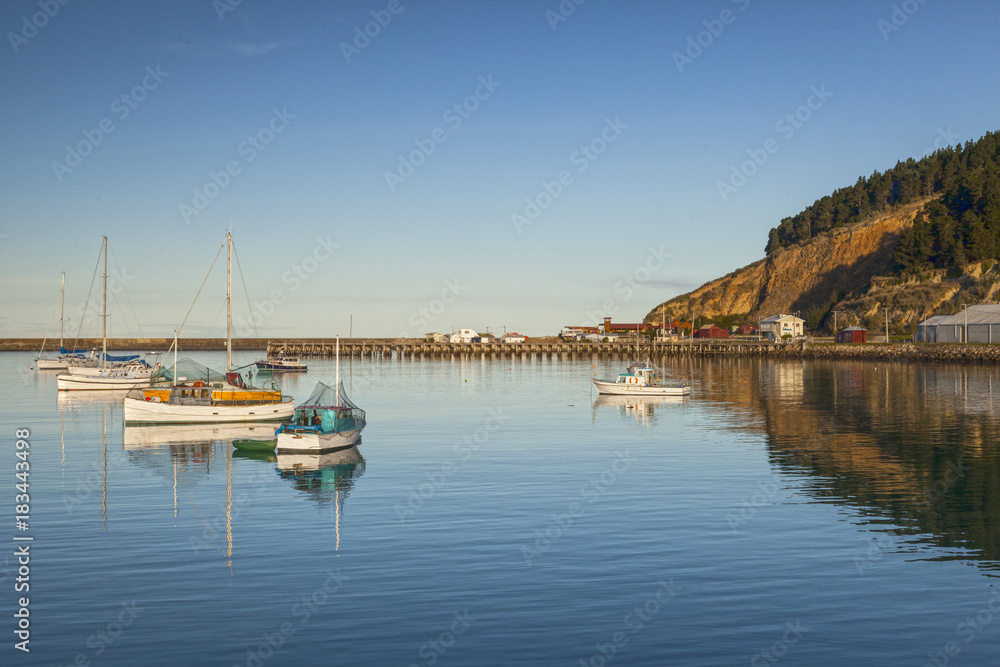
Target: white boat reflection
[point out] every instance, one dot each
(141, 437)
(292, 463)
(641, 408)
(77, 400)
(326, 478)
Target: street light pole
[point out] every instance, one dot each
(965, 329)
(886, 325)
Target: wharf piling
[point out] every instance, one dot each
(387, 349)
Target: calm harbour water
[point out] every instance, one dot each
(794, 513)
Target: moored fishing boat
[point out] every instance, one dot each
(641, 379)
(326, 422)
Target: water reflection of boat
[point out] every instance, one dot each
(639, 407)
(255, 456)
(137, 437)
(324, 477)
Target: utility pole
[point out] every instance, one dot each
(886, 324)
(835, 321)
(965, 329)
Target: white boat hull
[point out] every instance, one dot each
(51, 364)
(627, 389)
(90, 383)
(138, 411)
(316, 443)
(84, 371)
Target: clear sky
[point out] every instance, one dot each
(464, 164)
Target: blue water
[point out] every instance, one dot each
(496, 513)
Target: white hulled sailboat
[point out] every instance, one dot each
(128, 373)
(189, 393)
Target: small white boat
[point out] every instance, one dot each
(641, 379)
(108, 379)
(135, 366)
(67, 358)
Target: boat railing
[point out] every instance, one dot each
(247, 402)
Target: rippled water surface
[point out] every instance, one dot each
(498, 513)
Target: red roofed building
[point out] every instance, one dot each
(711, 331)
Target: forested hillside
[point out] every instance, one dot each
(964, 226)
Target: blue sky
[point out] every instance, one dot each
(355, 188)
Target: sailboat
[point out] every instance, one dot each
(326, 422)
(190, 393)
(67, 358)
(129, 373)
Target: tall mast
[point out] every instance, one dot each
(62, 309)
(338, 372)
(104, 317)
(229, 302)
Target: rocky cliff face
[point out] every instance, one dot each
(849, 269)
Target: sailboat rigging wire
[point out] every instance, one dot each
(54, 308)
(127, 296)
(86, 306)
(246, 292)
(200, 288)
(124, 321)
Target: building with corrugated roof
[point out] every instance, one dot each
(975, 324)
(711, 331)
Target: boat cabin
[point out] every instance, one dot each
(642, 376)
(323, 419)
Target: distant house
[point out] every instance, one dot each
(981, 324)
(746, 330)
(463, 336)
(852, 335)
(512, 337)
(487, 338)
(680, 326)
(577, 332)
(778, 326)
(711, 331)
(438, 337)
(623, 329)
